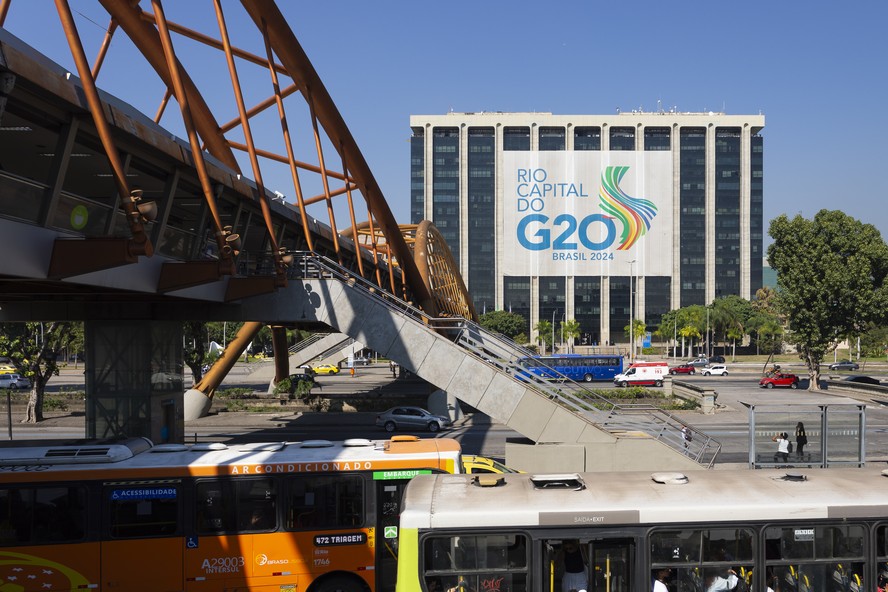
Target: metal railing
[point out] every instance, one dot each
(506, 356)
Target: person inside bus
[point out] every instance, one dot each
(721, 581)
(659, 579)
(261, 518)
(572, 559)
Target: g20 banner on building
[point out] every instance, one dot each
(587, 213)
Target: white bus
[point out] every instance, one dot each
(818, 530)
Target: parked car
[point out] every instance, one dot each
(844, 365)
(699, 362)
(717, 370)
(716, 359)
(682, 369)
(14, 381)
(398, 418)
(362, 361)
(779, 379)
(325, 369)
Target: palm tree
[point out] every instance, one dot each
(544, 333)
(570, 330)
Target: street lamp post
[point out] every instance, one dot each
(631, 312)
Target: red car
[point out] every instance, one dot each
(682, 369)
(780, 379)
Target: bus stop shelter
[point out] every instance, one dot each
(835, 428)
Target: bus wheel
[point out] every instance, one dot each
(587, 378)
(339, 584)
(658, 383)
(390, 426)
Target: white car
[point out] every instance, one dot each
(717, 370)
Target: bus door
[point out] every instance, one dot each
(389, 489)
(596, 565)
(142, 542)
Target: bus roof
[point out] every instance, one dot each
(138, 457)
(625, 498)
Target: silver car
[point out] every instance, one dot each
(14, 381)
(399, 418)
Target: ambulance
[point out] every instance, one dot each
(643, 374)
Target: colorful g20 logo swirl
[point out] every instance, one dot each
(634, 214)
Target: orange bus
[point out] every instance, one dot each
(313, 516)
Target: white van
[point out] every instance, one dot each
(643, 374)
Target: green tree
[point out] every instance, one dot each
(874, 341)
(544, 334)
(33, 349)
(729, 316)
(506, 323)
(570, 330)
(638, 330)
(831, 275)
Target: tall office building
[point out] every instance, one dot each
(592, 217)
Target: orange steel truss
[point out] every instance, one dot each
(335, 168)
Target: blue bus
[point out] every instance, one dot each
(577, 367)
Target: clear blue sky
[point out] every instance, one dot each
(816, 70)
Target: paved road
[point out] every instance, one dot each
(776, 410)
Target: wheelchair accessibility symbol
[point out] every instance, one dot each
(191, 542)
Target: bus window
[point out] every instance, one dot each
(325, 501)
(144, 510)
(215, 507)
(710, 560)
(42, 515)
(804, 559)
(256, 509)
(246, 505)
(483, 563)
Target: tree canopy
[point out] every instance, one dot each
(506, 323)
(831, 275)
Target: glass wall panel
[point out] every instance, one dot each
(692, 199)
(482, 175)
(619, 310)
(417, 176)
(657, 138)
(552, 138)
(622, 138)
(727, 211)
(756, 213)
(657, 300)
(587, 308)
(516, 138)
(587, 138)
(445, 185)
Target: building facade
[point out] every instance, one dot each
(594, 218)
